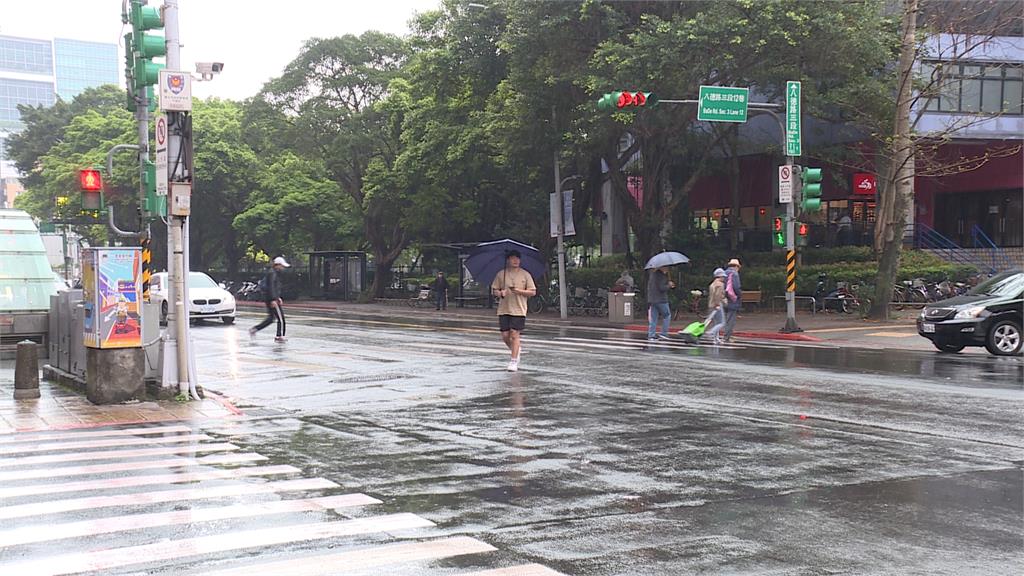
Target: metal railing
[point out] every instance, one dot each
(997, 256)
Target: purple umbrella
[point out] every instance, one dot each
(487, 259)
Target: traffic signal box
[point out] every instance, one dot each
(810, 189)
(779, 232)
(618, 100)
(90, 182)
(142, 45)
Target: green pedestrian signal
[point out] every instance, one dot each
(810, 189)
(618, 100)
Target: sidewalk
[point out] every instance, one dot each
(845, 330)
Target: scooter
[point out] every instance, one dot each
(841, 299)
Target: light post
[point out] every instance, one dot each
(563, 304)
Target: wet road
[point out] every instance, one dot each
(607, 455)
(604, 455)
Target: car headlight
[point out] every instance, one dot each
(972, 312)
(924, 313)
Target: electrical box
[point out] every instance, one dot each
(112, 296)
(180, 198)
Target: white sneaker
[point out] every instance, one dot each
(513, 365)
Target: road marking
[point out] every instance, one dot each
(364, 559)
(112, 524)
(184, 495)
(114, 483)
(179, 549)
(114, 454)
(116, 442)
(894, 334)
(524, 570)
(232, 458)
(42, 437)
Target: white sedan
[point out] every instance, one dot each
(209, 300)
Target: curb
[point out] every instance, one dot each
(752, 335)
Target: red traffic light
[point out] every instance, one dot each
(778, 224)
(635, 99)
(802, 230)
(90, 180)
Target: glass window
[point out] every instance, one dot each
(970, 95)
(1012, 97)
(991, 97)
(986, 88)
(200, 280)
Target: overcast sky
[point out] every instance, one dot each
(255, 40)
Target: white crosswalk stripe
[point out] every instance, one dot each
(233, 511)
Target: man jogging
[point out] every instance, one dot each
(271, 285)
(514, 286)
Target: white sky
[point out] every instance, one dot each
(255, 40)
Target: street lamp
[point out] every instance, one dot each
(563, 303)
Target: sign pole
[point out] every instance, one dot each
(793, 148)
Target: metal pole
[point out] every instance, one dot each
(563, 304)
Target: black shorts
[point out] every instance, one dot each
(508, 322)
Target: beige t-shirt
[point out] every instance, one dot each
(513, 304)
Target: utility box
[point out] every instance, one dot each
(112, 296)
(620, 307)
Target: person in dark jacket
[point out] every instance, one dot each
(440, 288)
(271, 285)
(734, 297)
(658, 286)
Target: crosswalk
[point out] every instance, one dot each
(172, 499)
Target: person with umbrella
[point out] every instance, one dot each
(514, 286)
(658, 285)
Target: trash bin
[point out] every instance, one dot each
(620, 307)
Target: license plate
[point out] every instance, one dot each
(928, 327)
(208, 309)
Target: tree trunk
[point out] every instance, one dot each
(899, 181)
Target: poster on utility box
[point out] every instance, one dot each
(112, 284)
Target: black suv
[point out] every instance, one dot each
(989, 315)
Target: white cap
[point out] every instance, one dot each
(280, 260)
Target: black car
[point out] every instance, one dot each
(989, 315)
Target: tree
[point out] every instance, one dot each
(331, 92)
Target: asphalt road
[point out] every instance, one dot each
(609, 455)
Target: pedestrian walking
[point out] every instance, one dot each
(514, 286)
(440, 288)
(271, 286)
(716, 304)
(734, 295)
(658, 285)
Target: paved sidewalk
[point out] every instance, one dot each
(60, 408)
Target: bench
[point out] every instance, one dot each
(463, 301)
(796, 298)
(750, 297)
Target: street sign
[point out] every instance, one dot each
(175, 91)
(793, 143)
(864, 183)
(785, 184)
(722, 104)
(161, 155)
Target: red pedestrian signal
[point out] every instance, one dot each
(777, 225)
(802, 230)
(90, 180)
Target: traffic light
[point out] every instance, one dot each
(90, 181)
(810, 189)
(779, 231)
(144, 45)
(802, 229)
(620, 100)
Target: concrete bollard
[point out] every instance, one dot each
(26, 371)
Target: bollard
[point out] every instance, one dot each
(26, 371)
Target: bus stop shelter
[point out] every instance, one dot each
(337, 274)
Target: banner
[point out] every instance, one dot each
(570, 228)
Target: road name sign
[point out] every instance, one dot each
(793, 143)
(722, 104)
(785, 184)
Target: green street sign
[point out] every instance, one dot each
(722, 104)
(793, 141)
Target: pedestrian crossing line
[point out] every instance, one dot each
(43, 437)
(364, 558)
(524, 570)
(160, 496)
(114, 454)
(113, 524)
(213, 459)
(148, 480)
(114, 442)
(178, 549)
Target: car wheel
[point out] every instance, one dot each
(1004, 338)
(948, 347)
(227, 319)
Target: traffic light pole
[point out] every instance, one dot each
(791, 325)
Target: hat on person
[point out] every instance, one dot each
(719, 273)
(734, 262)
(280, 260)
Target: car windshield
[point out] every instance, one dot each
(1005, 284)
(200, 280)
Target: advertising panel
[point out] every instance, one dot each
(112, 291)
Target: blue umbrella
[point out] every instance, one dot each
(666, 259)
(487, 259)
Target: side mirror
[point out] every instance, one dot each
(222, 286)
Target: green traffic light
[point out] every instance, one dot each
(810, 189)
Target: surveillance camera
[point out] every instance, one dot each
(209, 68)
